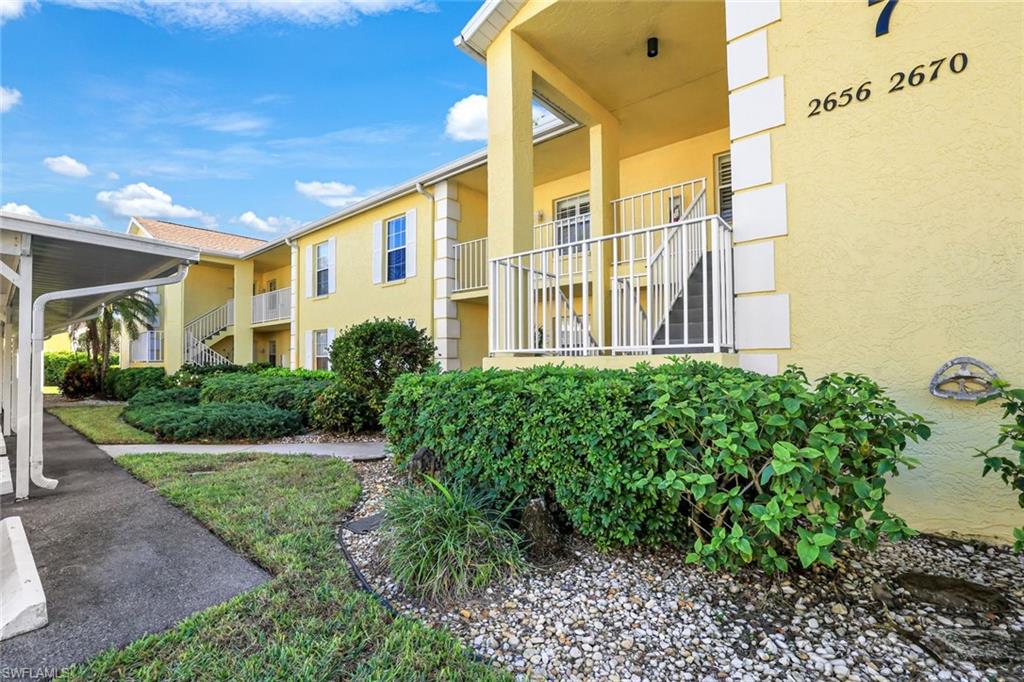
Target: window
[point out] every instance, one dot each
(272, 285)
(572, 219)
(394, 257)
(322, 265)
(723, 175)
(272, 352)
(321, 350)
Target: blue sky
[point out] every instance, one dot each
(250, 121)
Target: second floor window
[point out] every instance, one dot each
(322, 350)
(572, 219)
(322, 265)
(395, 253)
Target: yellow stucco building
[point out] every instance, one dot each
(761, 183)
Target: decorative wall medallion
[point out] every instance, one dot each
(963, 378)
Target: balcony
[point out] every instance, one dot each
(149, 347)
(272, 306)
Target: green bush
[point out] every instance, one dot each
(122, 384)
(369, 356)
(148, 397)
(291, 393)
(301, 373)
(448, 542)
(1010, 469)
(738, 467)
(338, 410)
(178, 422)
(80, 380)
(56, 363)
(193, 375)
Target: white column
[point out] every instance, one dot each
(5, 371)
(447, 214)
(293, 316)
(24, 385)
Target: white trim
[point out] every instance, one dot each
(759, 213)
(410, 242)
(308, 360)
(744, 16)
(762, 321)
(747, 59)
(762, 363)
(751, 162)
(756, 108)
(754, 267)
(332, 260)
(377, 254)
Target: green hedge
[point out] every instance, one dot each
(338, 410)
(173, 416)
(293, 393)
(737, 467)
(122, 384)
(56, 363)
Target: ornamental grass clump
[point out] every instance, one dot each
(730, 466)
(445, 542)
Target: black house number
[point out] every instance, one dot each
(882, 25)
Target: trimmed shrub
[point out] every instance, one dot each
(339, 410)
(448, 542)
(178, 422)
(301, 373)
(1010, 469)
(56, 363)
(738, 467)
(122, 384)
(369, 356)
(80, 380)
(191, 374)
(286, 392)
(148, 397)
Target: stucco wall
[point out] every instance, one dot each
(890, 269)
(207, 286)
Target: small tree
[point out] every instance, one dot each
(133, 311)
(1012, 472)
(369, 356)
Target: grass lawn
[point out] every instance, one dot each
(309, 622)
(101, 424)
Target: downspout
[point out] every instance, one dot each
(38, 317)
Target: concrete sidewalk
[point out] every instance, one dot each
(356, 452)
(115, 559)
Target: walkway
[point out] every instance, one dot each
(356, 452)
(115, 559)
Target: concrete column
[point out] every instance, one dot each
(509, 147)
(24, 374)
(293, 324)
(174, 326)
(604, 175)
(243, 312)
(5, 376)
(447, 331)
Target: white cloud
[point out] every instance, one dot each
(229, 16)
(270, 224)
(467, 119)
(113, 176)
(9, 97)
(18, 209)
(333, 194)
(65, 165)
(238, 123)
(12, 9)
(147, 201)
(91, 220)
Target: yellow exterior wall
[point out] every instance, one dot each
(473, 322)
(473, 205)
(357, 299)
(207, 286)
(890, 269)
(261, 346)
(282, 275)
(58, 343)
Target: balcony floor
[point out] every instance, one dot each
(603, 361)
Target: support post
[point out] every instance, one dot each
(24, 384)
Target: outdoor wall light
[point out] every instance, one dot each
(652, 47)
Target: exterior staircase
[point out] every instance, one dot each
(204, 331)
(692, 313)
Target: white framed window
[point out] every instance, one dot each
(723, 180)
(572, 218)
(321, 349)
(272, 285)
(395, 253)
(272, 352)
(323, 269)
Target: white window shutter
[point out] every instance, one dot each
(378, 252)
(330, 342)
(410, 243)
(310, 273)
(309, 350)
(332, 260)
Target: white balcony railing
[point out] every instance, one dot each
(665, 288)
(273, 305)
(662, 206)
(470, 265)
(149, 347)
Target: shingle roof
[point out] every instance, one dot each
(201, 238)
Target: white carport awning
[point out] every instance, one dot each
(67, 256)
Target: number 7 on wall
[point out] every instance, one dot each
(882, 26)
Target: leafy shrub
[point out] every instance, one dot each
(191, 374)
(447, 542)
(287, 392)
(337, 410)
(122, 384)
(369, 356)
(1012, 472)
(80, 380)
(737, 466)
(148, 397)
(301, 373)
(56, 363)
(179, 422)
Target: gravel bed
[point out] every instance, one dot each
(323, 437)
(57, 400)
(646, 615)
